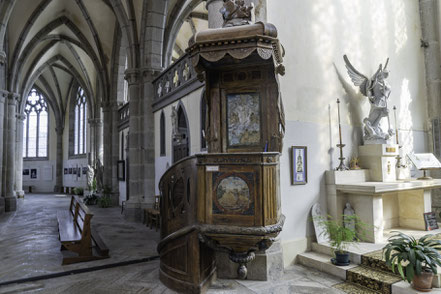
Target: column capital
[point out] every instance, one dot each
(3, 95)
(21, 117)
(150, 73)
(95, 121)
(132, 76)
(13, 98)
(59, 131)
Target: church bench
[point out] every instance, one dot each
(76, 234)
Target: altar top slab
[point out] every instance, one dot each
(387, 187)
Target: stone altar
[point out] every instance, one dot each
(380, 204)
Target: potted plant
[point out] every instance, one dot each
(341, 236)
(415, 260)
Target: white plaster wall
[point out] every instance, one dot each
(39, 184)
(191, 104)
(315, 38)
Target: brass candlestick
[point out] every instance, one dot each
(342, 165)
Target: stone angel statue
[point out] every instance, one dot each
(378, 91)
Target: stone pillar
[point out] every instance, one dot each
(148, 139)
(99, 155)
(19, 156)
(132, 209)
(431, 46)
(3, 96)
(10, 196)
(115, 152)
(59, 161)
(92, 141)
(107, 159)
(215, 19)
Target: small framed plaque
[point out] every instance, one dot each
(299, 174)
(430, 220)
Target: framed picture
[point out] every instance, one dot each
(33, 173)
(243, 120)
(70, 170)
(121, 170)
(299, 166)
(85, 170)
(74, 170)
(66, 171)
(26, 172)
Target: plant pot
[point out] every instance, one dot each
(423, 282)
(341, 258)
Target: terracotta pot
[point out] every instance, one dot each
(423, 282)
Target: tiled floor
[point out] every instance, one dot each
(29, 247)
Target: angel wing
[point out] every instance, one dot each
(357, 78)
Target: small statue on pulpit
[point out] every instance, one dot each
(236, 13)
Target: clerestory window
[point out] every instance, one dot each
(36, 126)
(80, 125)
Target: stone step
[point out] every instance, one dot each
(373, 279)
(322, 262)
(354, 257)
(354, 289)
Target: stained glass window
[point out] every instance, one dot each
(36, 126)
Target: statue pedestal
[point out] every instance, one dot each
(380, 159)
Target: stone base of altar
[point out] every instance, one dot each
(380, 205)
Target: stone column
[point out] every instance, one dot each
(59, 160)
(107, 162)
(148, 139)
(115, 152)
(10, 196)
(215, 19)
(431, 46)
(3, 96)
(132, 209)
(99, 138)
(19, 156)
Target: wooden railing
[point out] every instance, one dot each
(175, 82)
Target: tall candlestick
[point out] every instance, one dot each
(396, 124)
(342, 165)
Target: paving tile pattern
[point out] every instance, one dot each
(29, 247)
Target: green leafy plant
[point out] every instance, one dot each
(107, 190)
(340, 237)
(105, 201)
(78, 191)
(411, 256)
(90, 199)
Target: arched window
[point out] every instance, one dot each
(80, 126)
(36, 126)
(162, 134)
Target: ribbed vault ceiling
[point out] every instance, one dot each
(54, 43)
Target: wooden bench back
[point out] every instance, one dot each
(81, 215)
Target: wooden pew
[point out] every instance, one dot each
(76, 235)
